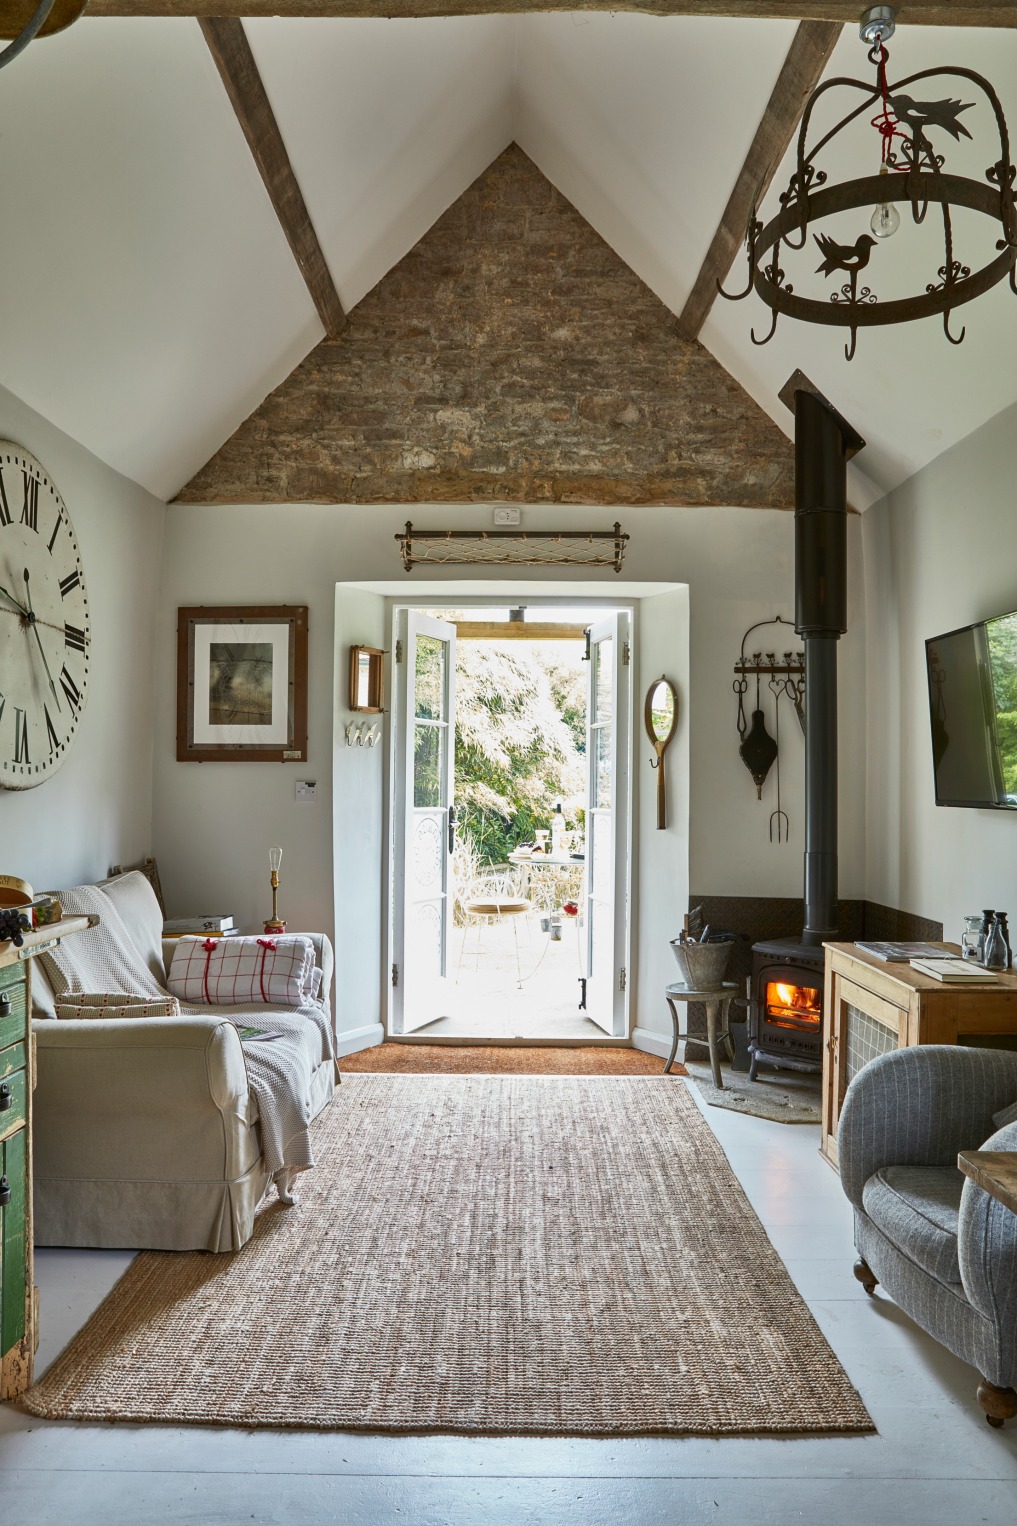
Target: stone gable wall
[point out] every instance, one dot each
(511, 355)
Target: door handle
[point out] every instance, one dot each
(6, 1097)
(451, 828)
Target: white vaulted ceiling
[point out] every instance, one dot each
(149, 301)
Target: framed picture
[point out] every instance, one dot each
(242, 684)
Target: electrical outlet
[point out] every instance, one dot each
(507, 514)
(306, 789)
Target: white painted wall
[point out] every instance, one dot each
(740, 570)
(97, 809)
(661, 858)
(214, 823)
(939, 553)
(359, 799)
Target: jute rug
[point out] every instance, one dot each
(505, 1059)
(483, 1255)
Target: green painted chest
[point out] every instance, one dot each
(15, 1245)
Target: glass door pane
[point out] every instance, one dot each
(606, 826)
(424, 796)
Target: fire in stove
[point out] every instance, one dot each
(793, 1006)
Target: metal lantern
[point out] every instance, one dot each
(912, 123)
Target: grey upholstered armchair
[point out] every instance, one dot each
(945, 1251)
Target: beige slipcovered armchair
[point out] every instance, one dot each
(146, 1132)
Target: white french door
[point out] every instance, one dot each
(607, 812)
(425, 763)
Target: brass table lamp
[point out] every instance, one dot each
(274, 923)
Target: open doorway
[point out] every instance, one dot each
(511, 811)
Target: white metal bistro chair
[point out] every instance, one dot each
(493, 896)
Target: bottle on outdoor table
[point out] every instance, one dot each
(558, 833)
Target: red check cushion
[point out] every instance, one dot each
(232, 972)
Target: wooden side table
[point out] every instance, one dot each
(717, 1002)
(871, 1007)
(995, 1171)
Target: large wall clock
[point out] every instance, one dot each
(45, 635)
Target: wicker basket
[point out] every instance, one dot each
(702, 965)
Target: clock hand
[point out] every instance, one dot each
(42, 650)
(12, 600)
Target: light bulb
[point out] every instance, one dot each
(885, 219)
(274, 859)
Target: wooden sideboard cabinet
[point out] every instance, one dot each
(18, 1321)
(871, 1007)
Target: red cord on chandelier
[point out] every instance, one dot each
(885, 124)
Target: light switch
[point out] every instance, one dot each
(306, 789)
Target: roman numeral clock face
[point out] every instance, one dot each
(45, 636)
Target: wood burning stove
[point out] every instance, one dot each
(786, 1006)
(786, 1026)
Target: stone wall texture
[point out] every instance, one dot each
(511, 355)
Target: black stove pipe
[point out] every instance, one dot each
(821, 453)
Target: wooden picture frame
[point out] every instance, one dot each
(367, 679)
(242, 683)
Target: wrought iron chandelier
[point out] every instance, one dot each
(911, 171)
(53, 15)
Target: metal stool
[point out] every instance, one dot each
(716, 1001)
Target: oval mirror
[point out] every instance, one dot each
(663, 711)
(660, 715)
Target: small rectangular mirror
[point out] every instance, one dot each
(367, 673)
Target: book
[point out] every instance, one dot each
(209, 924)
(903, 953)
(190, 933)
(954, 971)
(246, 1034)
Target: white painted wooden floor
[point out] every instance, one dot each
(935, 1462)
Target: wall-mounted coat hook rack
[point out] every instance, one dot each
(362, 735)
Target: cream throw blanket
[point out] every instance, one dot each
(279, 1071)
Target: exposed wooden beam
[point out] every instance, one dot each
(802, 70)
(517, 630)
(991, 13)
(229, 47)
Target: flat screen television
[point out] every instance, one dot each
(973, 708)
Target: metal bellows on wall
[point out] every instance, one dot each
(519, 548)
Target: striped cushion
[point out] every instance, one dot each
(224, 972)
(87, 1004)
(1004, 1116)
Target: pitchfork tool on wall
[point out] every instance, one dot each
(778, 818)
